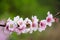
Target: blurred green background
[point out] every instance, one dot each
(27, 8)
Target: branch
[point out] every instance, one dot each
(3, 23)
(58, 14)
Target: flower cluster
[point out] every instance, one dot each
(19, 25)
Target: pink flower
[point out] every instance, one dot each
(22, 26)
(42, 25)
(21, 29)
(49, 19)
(28, 22)
(34, 23)
(10, 25)
(56, 20)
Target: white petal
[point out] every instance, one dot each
(9, 19)
(34, 18)
(53, 20)
(35, 29)
(48, 13)
(16, 18)
(41, 29)
(30, 31)
(27, 30)
(49, 24)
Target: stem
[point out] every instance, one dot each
(58, 14)
(2, 25)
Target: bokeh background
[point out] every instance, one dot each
(28, 8)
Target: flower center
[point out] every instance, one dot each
(11, 25)
(28, 25)
(49, 19)
(42, 24)
(33, 25)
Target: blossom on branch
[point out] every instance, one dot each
(19, 25)
(42, 25)
(49, 19)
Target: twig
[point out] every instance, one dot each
(58, 14)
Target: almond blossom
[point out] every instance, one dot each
(22, 27)
(42, 25)
(28, 23)
(56, 20)
(49, 19)
(34, 23)
(10, 25)
(19, 25)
